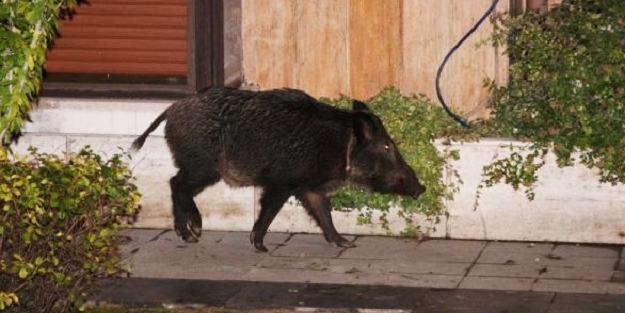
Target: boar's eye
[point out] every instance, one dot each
(387, 148)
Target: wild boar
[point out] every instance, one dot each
(284, 141)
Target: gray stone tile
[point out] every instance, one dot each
(379, 247)
(424, 281)
(496, 283)
(450, 250)
(352, 276)
(519, 247)
(298, 275)
(407, 267)
(581, 263)
(435, 251)
(578, 286)
(369, 266)
(577, 273)
(206, 271)
(308, 246)
(514, 253)
(583, 303)
(577, 250)
(499, 270)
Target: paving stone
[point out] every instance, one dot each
(590, 251)
(206, 271)
(618, 277)
(364, 265)
(450, 250)
(379, 247)
(446, 251)
(297, 275)
(496, 283)
(579, 286)
(580, 263)
(514, 253)
(309, 246)
(424, 281)
(519, 247)
(578, 273)
(498, 270)
(581, 303)
(484, 301)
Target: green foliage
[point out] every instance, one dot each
(566, 92)
(26, 28)
(413, 122)
(57, 223)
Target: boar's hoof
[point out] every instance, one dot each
(257, 242)
(343, 243)
(189, 234)
(260, 247)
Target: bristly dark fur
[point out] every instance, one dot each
(282, 140)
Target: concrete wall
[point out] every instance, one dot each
(570, 205)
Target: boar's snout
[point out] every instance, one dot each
(401, 181)
(406, 183)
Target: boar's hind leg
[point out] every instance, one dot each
(318, 206)
(187, 218)
(271, 202)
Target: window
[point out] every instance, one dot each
(141, 48)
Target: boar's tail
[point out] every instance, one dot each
(138, 143)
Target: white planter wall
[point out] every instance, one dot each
(570, 204)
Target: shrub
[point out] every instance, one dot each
(413, 122)
(26, 28)
(57, 223)
(566, 92)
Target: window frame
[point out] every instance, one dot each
(205, 42)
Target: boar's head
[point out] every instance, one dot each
(376, 163)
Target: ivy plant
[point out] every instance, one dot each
(566, 91)
(26, 29)
(414, 122)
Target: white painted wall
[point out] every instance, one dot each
(570, 205)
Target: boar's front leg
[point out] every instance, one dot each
(318, 206)
(271, 202)
(187, 218)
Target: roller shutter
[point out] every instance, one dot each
(134, 41)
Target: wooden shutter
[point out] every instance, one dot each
(123, 38)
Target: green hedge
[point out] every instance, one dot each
(26, 29)
(57, 222)
(414, 122)
(566, 91)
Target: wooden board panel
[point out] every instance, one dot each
(431, 29)
(375, 45)
(356, 47)
(322, 58)
(269, 42)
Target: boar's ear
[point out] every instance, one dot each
(365, 126)
(359, 106)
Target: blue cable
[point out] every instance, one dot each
(439, 94)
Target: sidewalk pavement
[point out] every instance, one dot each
(303, 272)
